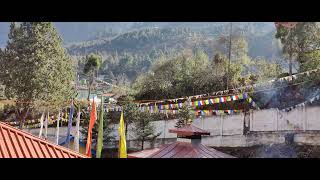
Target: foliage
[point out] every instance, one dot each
(93, 62)
(303, 38)
(185, 75)
(144, 129)
(132, 53)
(108, 129)
(193, 72)
(36, 68)
(185, 115)
(91, 67)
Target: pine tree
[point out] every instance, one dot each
(39, 71)
(93, 63)
(185, 115)
(107, 129)
(144, 130)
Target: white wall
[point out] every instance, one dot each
(227, 130)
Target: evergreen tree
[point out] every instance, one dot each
(299, 42)
(91, 67)
(108, 137)
(38, 70)
(144, 129)
(185, 115)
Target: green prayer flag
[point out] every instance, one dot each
(100, 131)
(240, 96)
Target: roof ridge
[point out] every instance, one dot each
(33, 137)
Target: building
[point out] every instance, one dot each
(188, 145)
(15, 143)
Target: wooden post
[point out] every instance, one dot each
(277, 125)
(202, 122)
(305, 118)
(251, 120)
(221, 130)
(164, 131)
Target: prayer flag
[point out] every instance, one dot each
(100, 132)
(93, 118)
(41, 124)
(70, 125)
(206, 101)
(240, 96)
(235, 97)
(217, 100)
(77, 137)
(57, 130)
(122, 140)
(156, 108)
(211, 101)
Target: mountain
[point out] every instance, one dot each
(145, 36)
(82, 31)
(133, 46)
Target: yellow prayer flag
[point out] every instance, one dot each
(217, 100)
(122, 139)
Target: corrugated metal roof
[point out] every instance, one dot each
(187, 150)
(15, 143)
(189, 130)
(143, 154)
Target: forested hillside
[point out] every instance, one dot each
(129, 48)
(128, 54)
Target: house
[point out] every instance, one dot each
(16, 143)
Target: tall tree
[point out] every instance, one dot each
(298, 42)
(144, 129)
(93, 63)
(38, 70)
(108, 129)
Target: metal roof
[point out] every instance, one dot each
(188, 150)
(15, 143)
(189, 130)
(143, 154)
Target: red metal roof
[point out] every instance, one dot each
(189, 130)
(143, 154)
(15, 143)
(187, 150)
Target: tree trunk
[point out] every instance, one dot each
(89, 92)
(126, 132)
(290, 65)
(22, 117)
(142, 143)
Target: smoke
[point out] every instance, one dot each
(286, 150)
(282, 95)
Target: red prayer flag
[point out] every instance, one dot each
(224, 99)
(93, 117)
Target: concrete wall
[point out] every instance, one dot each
(264, 127)
(299, 119)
